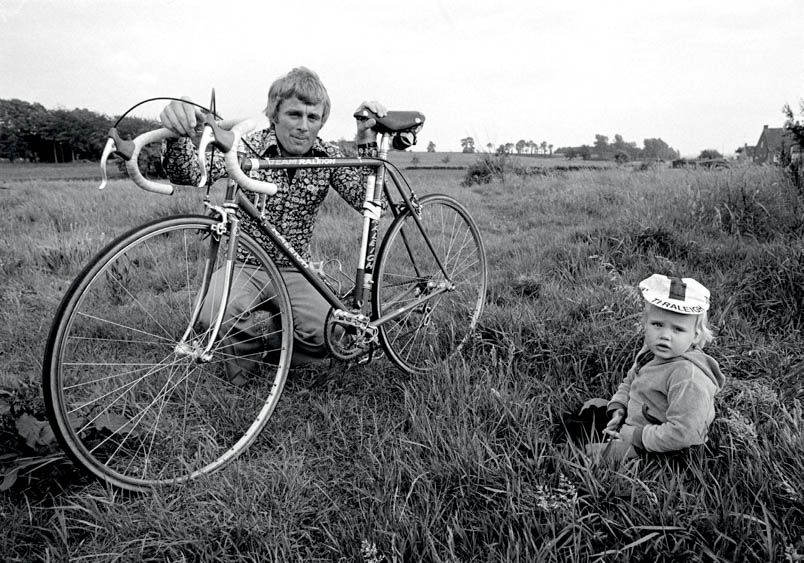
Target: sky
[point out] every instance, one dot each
(697, 74)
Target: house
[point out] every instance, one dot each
(772, 142)
(746, 153)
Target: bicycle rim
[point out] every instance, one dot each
(125, 401)
(425, 336)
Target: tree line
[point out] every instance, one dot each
(619, 149)
(30, 132)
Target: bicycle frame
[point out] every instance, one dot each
(141, 398)
(376, 186)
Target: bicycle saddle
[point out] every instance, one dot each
(393, 121)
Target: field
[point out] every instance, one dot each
(459, 160)
(365, 464)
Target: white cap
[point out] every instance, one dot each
(680, 295)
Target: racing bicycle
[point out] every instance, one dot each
(133, 374)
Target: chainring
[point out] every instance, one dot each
(345, 341)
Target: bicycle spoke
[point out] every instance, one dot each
(407, 272)
(133, 394)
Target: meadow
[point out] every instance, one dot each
(363, 463)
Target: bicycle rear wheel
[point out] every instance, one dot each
(407, 271)
(129, 394)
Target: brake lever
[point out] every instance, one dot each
(107, 150)
(218, 137)
(114, 146)
(206, 138)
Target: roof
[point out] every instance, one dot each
(774, 137)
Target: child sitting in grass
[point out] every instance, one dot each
(666, 402)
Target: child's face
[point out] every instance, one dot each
(668, 334)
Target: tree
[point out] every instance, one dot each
(585, 152)
(708, 154)
(20, 127)
(544, 147)
(793, 125)
(550, 148)
(468, 144)
(490, 146)
(32, 132)
(792, 160)
(601, 144)
(621, 157)
(621, 146)
(431, 147)
(659, 150)
(520, 146)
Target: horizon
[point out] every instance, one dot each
(419, 146)
(696, 76)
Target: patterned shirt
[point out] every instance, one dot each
(300, 192)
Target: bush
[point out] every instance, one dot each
(490, 167)
(748, 203)
(710, 154)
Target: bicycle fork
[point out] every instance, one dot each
(192, 347)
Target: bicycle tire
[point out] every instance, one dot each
(423, 338)
(128, 405)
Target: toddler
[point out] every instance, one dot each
(666, 402)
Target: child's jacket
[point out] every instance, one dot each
(669, 403)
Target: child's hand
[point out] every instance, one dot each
(614, 424)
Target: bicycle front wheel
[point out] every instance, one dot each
(132, 391)
(441, 307)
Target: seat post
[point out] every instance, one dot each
(385, 146)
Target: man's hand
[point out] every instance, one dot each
(181, 118)
(613, 426)
(365, 133)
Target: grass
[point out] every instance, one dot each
(461, 160)
(365, 464)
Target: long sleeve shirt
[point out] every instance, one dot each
(669, 404)
(300, 192)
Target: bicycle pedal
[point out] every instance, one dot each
(375, 353)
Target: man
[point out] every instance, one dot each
(298, 107)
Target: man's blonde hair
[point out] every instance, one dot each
(302, 83)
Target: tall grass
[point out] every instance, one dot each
(365, 464)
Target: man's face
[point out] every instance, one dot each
(297, 125)
(668, 334)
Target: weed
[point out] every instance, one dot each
(488, 167)
(362, 463)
